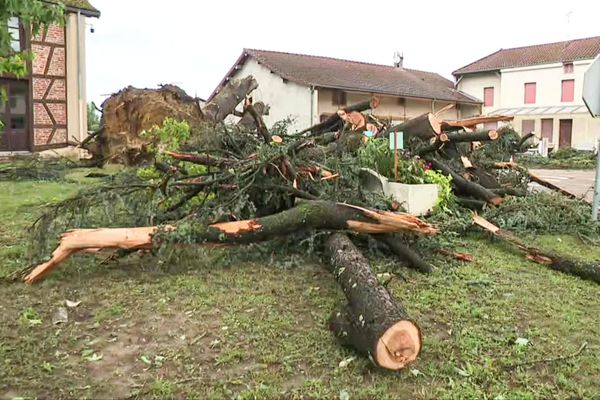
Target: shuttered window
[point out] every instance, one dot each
(530, 93)
(528, 125)
(568, 90)
(488, 96)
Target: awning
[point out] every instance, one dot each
(548, 110)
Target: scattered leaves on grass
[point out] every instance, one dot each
(345, 362)
(90, 355)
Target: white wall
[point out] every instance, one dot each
(474, 84)
(286, 99)
(548, 79)
(76, 95)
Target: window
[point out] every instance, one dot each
(14, 135)
(568, 68)
(488, 97)
(528, 125)
(567, 90)
(15, 33)
(339, 98)
(530, 93)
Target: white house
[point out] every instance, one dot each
(540, 86)
(309, 88)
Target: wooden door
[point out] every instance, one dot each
(565, 131)
(547, 124)
(14, 114)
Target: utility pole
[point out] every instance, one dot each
(591, 98)
(596, 201)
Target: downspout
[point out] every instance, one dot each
(312, 105)
(80, 82)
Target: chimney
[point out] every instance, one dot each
(398, 60)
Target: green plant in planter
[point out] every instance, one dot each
(376, 155)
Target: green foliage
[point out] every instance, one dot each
(34, 169)
(168, 137)
(562, 158)
(93, 119)
(544, 212)
(376, 155)
(31, 13)
(498, 150)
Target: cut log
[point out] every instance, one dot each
(457, 125)
(465, 187)
(424, 127)
(334, 122)
(355, 119)
(583, 269)
(405, 253)
(373, 322)
(479, 136)
(309, 215)
(226, 100)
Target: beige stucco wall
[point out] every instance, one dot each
(509, 93)
(585, 130)
(391, 107)
(76, 95)
(286, 99)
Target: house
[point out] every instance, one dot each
(310, 88)
(540, 86)
(47, 108)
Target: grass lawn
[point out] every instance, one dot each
(206, 330)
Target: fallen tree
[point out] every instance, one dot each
(208, 183)
(131, 111)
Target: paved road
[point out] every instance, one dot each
(578, 182)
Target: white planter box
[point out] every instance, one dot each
(416, 199)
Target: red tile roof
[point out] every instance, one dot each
(570, 50)
(327, 72)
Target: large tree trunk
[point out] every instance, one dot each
(423, 127)
(372, 322)
(227, 99)
(308, 215)
(585, 270)
(479, 136)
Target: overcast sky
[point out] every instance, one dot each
(194, 43)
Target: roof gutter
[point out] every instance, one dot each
(82, 11)
(349, 89)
